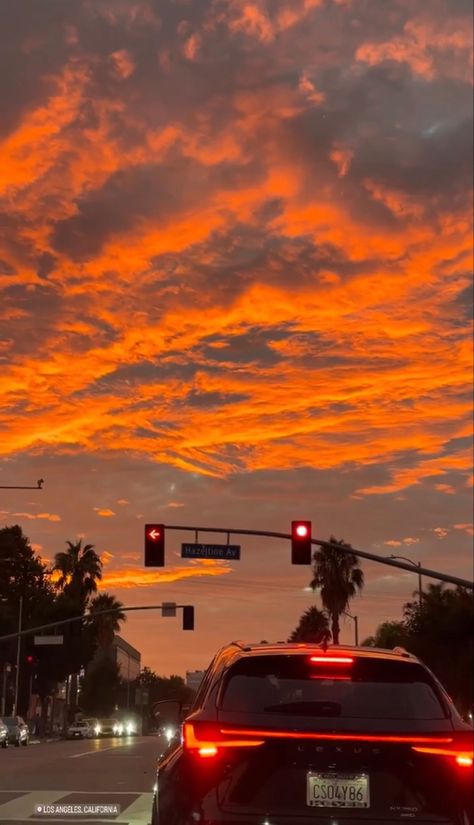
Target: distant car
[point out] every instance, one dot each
(299, 733)
(3, 735)
(127, 727)
(18, 733)
(94, 725)
(80, 730)
(110, 727)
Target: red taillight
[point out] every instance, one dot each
(206, 740)
(342, 737)
(464, 761)
(462, 758)
(332, 660)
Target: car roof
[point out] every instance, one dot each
(301, 648)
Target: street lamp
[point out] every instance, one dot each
(18, 651)
(355, 619)
(416, 564)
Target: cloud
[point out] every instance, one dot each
(440, 532)
(131, 577)
(32, 516)
(466, 528)
(235, 242)
(427, 46)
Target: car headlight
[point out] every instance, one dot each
(130, 728)
(169, 733)
(97, 729)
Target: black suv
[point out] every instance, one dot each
(288, 734)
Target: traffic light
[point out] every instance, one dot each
(188, 617)
(154, 545)
(301, 542)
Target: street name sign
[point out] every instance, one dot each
(49, 640)
(168, 609)
(227, 552)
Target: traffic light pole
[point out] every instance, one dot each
(363, 554)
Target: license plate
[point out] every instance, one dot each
(336, 790)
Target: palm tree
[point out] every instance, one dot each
(313, 627)
(338, 576)
(106, 625)
(79, 568)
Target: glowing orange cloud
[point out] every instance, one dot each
(131, 577)
(223, 279)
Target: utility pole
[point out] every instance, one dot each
(6, 669)
(355, 619)
(18, 651)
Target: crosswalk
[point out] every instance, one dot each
(60, 806)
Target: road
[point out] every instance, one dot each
(107, 772)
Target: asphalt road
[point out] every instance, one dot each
(58, 776)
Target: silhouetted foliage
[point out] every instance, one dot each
(336, 573)
(313, 627)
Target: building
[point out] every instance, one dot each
(194, 679)
(127, 657)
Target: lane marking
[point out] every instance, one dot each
(22, 809)
(92, 753)
(24, 806)
(139, 812)
(86, 793)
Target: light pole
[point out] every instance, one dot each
(6, 669)
(416, 564)
(18, 651)
(356, 626)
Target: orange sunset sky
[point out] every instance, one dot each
(235, 274)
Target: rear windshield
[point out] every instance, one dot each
(369, 689)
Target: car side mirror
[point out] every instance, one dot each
(167, 712)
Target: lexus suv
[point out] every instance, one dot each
(288, 734)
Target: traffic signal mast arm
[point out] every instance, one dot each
(363, 554)
(188, 618)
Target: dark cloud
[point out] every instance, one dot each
(197, 398)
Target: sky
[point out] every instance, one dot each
(235, 275)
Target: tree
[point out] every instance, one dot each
(79, 568)
(439, 631)
(105, 626)
(23, 576)
(388, 635)
(100, 688)
(313, 627)
(337, 574)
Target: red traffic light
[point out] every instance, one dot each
(154, 545)
(30, 660)
(301, 542)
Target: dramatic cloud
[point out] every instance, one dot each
(235, 244)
